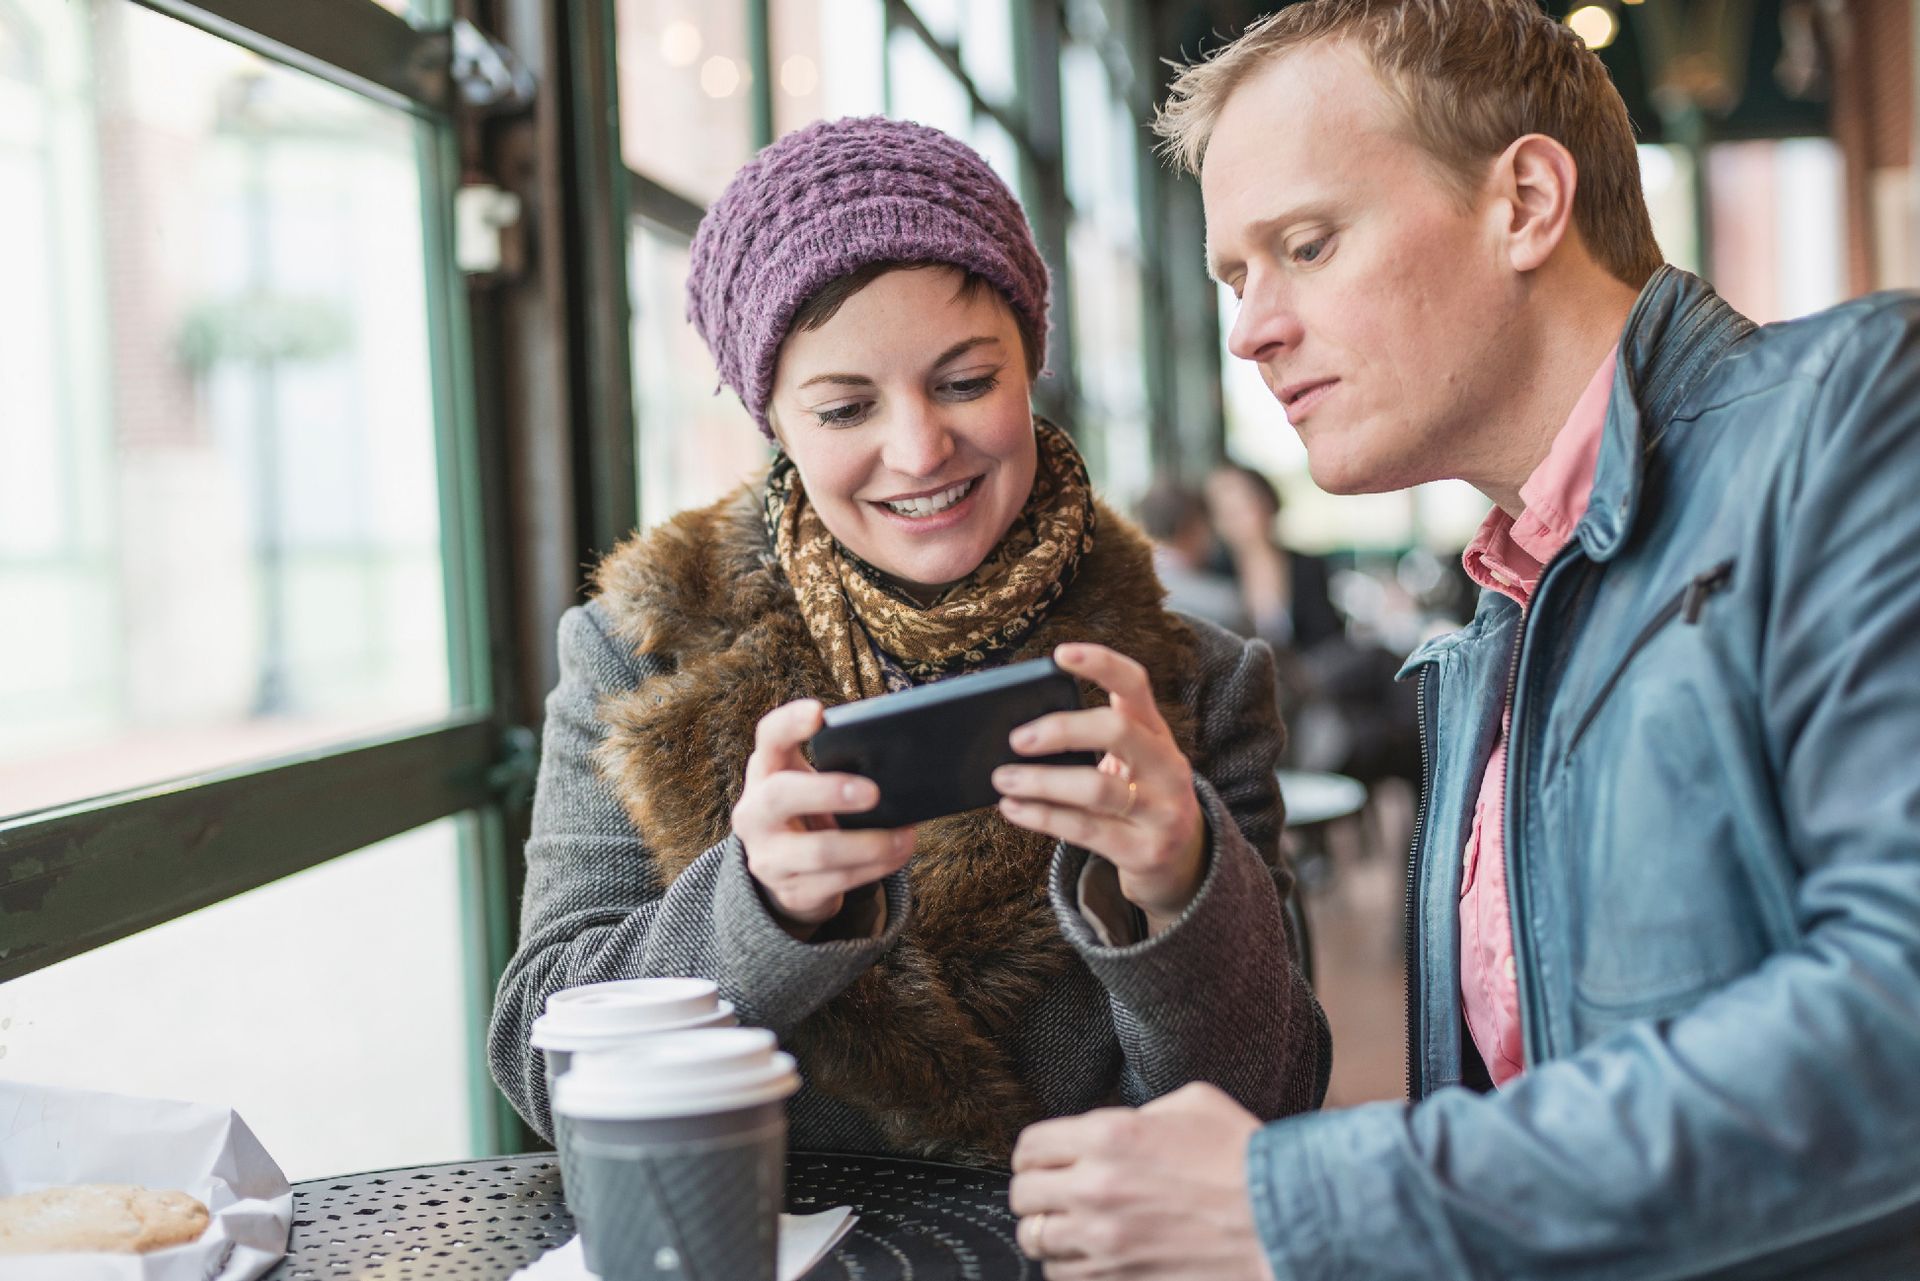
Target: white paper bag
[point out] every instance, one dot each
(50, 1137)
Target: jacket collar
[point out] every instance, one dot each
(1679, 329)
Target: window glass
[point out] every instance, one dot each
(694, 445)
(998, 148)
(1666, 178)
(942, 17)
(828, 60)
(328, 1009)
(923, 89)
(1102, 146)
(1779, 226)
(986, 49)
(1107, 344)
(219, 504)
(686, 91)
(1106, 272)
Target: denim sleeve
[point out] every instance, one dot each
(1772, 1129)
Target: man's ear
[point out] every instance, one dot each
(1535, 178)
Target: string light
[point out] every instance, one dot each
(719, 76)
(680, 43)
(798, 75)
(1595, 24)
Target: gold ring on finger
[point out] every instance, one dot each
(1039, 1234)
(1133, 794)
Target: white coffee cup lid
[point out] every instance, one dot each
(608, 1022)
(682, 1074)
(675, 999)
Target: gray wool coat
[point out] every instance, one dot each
(1215, 997)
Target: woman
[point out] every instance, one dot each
(872, 292)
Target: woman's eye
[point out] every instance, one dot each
(841, 415)
(1311, 250)
(973, 388)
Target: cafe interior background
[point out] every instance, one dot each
(336, 338)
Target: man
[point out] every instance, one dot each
(1664, 958)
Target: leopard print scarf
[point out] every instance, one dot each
(875, 638)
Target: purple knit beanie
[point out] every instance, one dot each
(832, 198)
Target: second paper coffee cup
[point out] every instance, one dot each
(676, 1160)
(603, 1016)
(600, 1016)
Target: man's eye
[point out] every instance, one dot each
(1311, 251)
(841, 415)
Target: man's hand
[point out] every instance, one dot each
(1157, 1193)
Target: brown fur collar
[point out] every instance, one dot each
(917, 1041)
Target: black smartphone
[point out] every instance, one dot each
(933, 749)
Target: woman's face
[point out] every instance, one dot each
(907, 415)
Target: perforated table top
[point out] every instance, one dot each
(481, 1220)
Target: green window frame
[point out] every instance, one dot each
(76, 876)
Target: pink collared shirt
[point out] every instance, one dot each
(1507, 556)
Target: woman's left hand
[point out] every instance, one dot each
(1137, 808)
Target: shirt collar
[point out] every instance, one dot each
(1508, 554)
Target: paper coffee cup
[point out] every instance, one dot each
(603, 1016)
(671, 998)
(676, 1161)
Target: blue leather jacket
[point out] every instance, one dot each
(1713, 851)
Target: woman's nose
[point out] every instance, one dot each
(919, 442)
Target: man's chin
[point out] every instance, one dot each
(1349, 476)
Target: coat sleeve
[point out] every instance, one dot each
(1217, 995)
(1771, 1128)
(594, 908)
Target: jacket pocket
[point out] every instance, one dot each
(1685, 606)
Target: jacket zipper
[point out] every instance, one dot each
(1686, 605)
(1414, 1083)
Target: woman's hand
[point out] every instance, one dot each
(783, 818)
(1137, 809)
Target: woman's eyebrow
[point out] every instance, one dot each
(962, 347)
(952, 353)
(850, 380)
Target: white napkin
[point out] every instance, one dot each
(51, 1136)
(805, 1239)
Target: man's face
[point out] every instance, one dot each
(1379, 310)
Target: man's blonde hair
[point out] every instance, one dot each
(1470, 77)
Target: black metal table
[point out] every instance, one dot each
(483, 1220)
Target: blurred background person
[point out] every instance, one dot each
(1284, 592)
(1174, 516)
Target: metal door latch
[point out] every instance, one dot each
(489, 76)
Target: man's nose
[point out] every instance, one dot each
(919, 442)
(1265, 324)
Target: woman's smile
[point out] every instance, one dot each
(918, 507)
(917, 447)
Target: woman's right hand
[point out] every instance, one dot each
(784, 818)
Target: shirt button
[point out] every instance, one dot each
(1512, 973)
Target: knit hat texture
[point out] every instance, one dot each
(834, 197)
